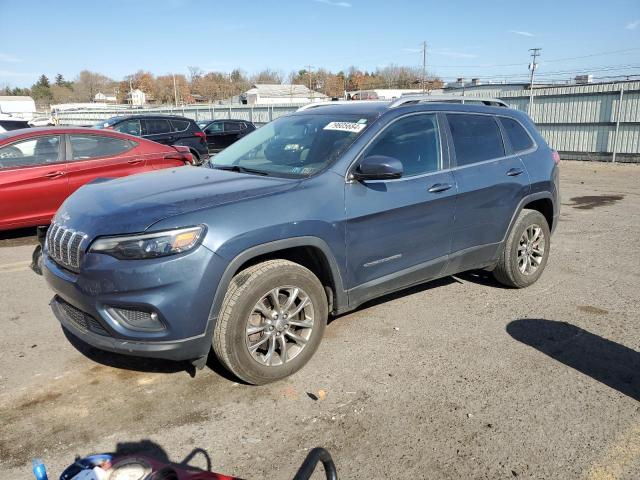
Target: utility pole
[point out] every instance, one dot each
(309, 67)
(535, 53)
(424, 66)
(175, 91)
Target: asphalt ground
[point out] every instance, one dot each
(458, 378)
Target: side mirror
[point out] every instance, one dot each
(378, 167)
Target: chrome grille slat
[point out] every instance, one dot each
(56, 243)
(64, 245)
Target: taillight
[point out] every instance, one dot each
(200, 134)
(187, 158)
(556, 156)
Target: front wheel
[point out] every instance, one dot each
(271, 321)
(526, 251)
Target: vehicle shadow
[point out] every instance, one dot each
(481, 277)
(19, 237)
(423, 287)
(608, 362)
(143, 364)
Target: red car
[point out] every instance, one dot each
(41, 167)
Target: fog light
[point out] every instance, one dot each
(136, 319)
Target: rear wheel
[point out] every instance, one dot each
(271, 322)
(526, 251)
(196, 157)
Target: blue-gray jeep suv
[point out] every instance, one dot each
(308, 216)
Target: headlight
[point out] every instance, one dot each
(150, 245)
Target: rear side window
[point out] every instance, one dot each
(231, 127)
(517, 135)
(85, 147)
(132, 127)
(31, 152)
(476, 138)
(179, 125)
(157, 126)
(414, 140)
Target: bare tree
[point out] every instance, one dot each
(88, 83)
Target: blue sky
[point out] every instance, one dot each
(471, 38)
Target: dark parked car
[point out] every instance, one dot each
(222, 133)
(311, 215)
(8, 124)
(169, 130)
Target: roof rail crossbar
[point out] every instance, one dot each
(413, 99)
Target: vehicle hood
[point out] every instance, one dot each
(133, 204)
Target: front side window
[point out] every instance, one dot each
(476, 138)
(85, 147)
(293, 146)
(414, 140)
(31, 152)
(517, 135)
(132, 127)
(157, 126)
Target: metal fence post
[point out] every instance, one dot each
(618, 114)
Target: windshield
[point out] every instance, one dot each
(294, 146)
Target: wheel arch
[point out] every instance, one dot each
(541, 202)
(310, 252)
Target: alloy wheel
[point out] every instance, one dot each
(531, 249)
(279, 326)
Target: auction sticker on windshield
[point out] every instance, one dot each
(345, 126)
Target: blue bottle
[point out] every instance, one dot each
(39, 469)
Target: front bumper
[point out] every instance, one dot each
(179, 289)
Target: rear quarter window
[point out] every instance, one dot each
(180, 125)
(476, 138)
(517, 135)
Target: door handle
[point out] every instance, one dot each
(514, 172)
(134, 161)
(54, 174)
(440, 187)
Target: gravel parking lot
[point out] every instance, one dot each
(459, 378)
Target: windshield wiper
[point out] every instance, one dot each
(238, 168)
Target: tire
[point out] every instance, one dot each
(513, 269)
(246, 354)
(37, 260)
(196, 158)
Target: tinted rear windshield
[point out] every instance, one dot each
(294, 146)
(9, 125)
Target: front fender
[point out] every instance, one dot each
(274, 246)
